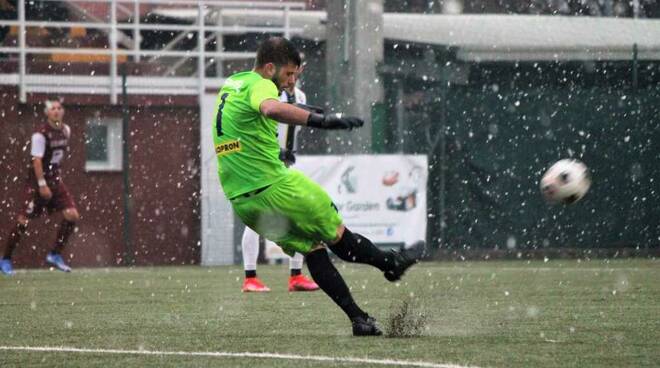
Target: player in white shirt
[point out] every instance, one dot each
(250, 243)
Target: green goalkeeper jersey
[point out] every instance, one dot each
(245, 140)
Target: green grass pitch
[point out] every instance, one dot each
(563, 313)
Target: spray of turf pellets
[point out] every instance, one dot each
(407, 318)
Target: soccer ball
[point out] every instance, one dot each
(567, 181)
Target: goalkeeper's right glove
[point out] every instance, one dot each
(310, 108)
(333, 121)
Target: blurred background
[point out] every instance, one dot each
(491, 92)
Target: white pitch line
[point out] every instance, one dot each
(318, 358)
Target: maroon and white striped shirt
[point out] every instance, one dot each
(51, 145)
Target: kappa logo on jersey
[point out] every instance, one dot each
(227, 148)
(235, 84)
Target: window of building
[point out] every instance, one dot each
(103, 145)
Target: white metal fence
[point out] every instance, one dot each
(123, 27)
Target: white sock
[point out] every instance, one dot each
(250, 246)
(296, 262)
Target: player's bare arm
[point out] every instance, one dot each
(284, 112)
(289, 114)
(38, 167)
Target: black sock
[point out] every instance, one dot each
(329, 280)
(354, 247)
(296, 271)
(66, 229)
(250, 273)
(14, 238)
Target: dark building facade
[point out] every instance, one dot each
(164, 183)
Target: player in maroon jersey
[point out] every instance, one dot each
(44, 189)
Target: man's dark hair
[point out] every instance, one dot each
(50, 100)
(277, 50)
(55, 99)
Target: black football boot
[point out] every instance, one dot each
(365, 326)
(405, 258)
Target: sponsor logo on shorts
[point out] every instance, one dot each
(227, 148)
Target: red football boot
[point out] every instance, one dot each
(301, 283)
(254, 285)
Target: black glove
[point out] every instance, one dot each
(310, 108)
(333, 121)
(287, 156)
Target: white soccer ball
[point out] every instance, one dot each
(567, 181)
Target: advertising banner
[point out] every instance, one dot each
(382, 197)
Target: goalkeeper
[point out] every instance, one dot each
(282, 204)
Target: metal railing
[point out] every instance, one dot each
(207, 18)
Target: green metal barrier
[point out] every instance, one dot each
(500, 143)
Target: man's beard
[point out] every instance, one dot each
(277, 83)
(275, 79)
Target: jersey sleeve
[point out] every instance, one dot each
(38, 145)
(261, 91)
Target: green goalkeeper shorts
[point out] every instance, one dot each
(295, 213)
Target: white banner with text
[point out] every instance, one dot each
(382, 197)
